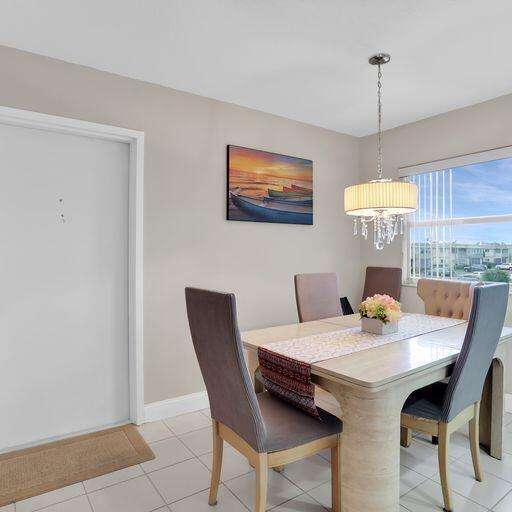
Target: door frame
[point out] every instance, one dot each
(135, 140)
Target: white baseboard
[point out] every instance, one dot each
(175, 406)
(196, 401)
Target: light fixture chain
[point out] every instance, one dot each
(379, 110)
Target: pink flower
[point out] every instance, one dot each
(382, 307)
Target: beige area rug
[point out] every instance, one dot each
(32, 471)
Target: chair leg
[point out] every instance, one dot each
(336, 476)
(218, 445)
(435, 440)
(444, 443)
(474, 441)
(261, 482)
(405, 437)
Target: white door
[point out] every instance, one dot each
(63, 284)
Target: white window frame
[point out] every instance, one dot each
(448, 164)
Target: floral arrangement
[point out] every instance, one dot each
(382, 307)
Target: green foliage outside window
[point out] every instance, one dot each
(495, 275)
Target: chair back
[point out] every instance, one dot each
(451, 299)
(216, 338)
(383, 280)
(483, 333)
(317, 296)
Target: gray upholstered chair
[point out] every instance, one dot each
(264, 429)
(317, 296)
(442, 408)
(383, 280)
(448, 298)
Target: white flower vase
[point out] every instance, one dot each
(376, 326)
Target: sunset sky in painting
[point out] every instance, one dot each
(261, 163)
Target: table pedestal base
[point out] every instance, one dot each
(370, 472)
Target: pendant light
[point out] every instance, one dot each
(382, 201)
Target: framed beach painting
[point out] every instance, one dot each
(268, 187)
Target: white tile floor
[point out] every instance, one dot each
(178, 479)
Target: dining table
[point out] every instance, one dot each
(371, 387)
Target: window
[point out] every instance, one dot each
(463, 226)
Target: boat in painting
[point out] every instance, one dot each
(290, 190)
(285, 195)
(269, 211)
(304, 201)
(302, 189)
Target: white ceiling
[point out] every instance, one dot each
(302, 59)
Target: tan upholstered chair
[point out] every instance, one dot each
(451, 299)
(317, 296)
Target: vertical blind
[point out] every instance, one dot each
(429, 228)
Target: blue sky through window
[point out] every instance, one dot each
(483, 189)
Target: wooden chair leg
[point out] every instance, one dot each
(405, 437)
(218, 445)
(336, 476)
(261, 482)
(444, 443)
(474, 441)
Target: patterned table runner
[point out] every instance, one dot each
(286, 365)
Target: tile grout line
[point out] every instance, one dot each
(236, 497)
(158, 492)
(189, 449)
(459, 494)
(316, 501)
(313, 498)
(57, 502)
(144, 472)
(431, 478)
(193, 455)
(168, 505)
(221, 479)
(147, 473)
(294, 498)
(509, 493)
(282, 473)
(116, 483)
(471, 466)
(89, 500)
(188, 431)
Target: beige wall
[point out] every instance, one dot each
(476, 128)
(187, 239)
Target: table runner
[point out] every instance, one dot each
(286, 365)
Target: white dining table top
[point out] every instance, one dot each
(378, 366)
